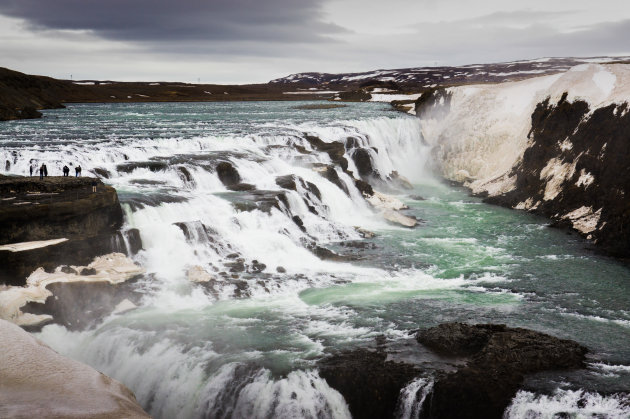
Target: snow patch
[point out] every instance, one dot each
(556, 172)
(585, 179)
(21, 247)
(584, 219)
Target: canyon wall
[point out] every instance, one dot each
(555, 145)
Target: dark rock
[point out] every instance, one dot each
(68, 270)
(81, 305)
(257, 267)
(281, 270)
(364, 187)
(88, 271)
(499, 359)
(363, 161)
(241, 187)
(599, 147)
(185, 174)
(287, 182)
(238, 266)
(228, 174)
(334, 149)
(133, 240)
(55, 207)
(331, 174)
(352, 142)
(298, 221)
(29, 112)
(417, 198)
(370, 384)
(154, 166)
(102, 173)
(355, 96)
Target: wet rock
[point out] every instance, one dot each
(29, 112)
(259, 200)
(366, 234)
(184, 173)
(82, 305)
(417, 198)
(154, 166)
(88, 271)
(368, 382)
(355, 96)
(499, 359)
(287, 182)
(327, 254)
(228, 174)
(335, 150)
(101, 173)
(281, 270)
(257, 267)
(329, 172)
(352, 142)
(242, 187)
(134, 242)
(238, 266)
(364, 187)
(298, 221)
(363, 161)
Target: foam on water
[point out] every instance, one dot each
(577, 404)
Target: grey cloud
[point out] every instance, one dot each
(282, 21)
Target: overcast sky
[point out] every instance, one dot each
(251, 41)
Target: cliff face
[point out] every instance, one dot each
(56, 221)
(555, 145)
(21, 94)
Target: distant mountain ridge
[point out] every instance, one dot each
(428, 77)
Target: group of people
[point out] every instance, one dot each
(43, 171)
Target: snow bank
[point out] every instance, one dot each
(36, 381)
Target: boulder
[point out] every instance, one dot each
(363, 161)
(368, 382)
(499, 359)
(335, 150)
(228, 174)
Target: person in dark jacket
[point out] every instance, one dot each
(41, 172)
(45, 170)
(94, 185)
(30, 167)
(66, 171)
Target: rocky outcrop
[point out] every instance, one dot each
(36, 381)
(475, 370)
(38, 214)
(228, 174)
(370, 384)
(499, 358)
(576, 171)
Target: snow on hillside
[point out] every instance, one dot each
(430, 76)
(484, 132)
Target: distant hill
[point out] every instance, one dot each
(21, 95)
(428, 77)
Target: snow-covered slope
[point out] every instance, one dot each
(543, 144)
(36, 381)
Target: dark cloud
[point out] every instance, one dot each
(282, 21)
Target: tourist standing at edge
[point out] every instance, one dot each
(77, 171)
(41, 172)
(66, 171)
(30, 168)
(45, 170)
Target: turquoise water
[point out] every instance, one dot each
(188, 353)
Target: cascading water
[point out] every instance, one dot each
(238, 307)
